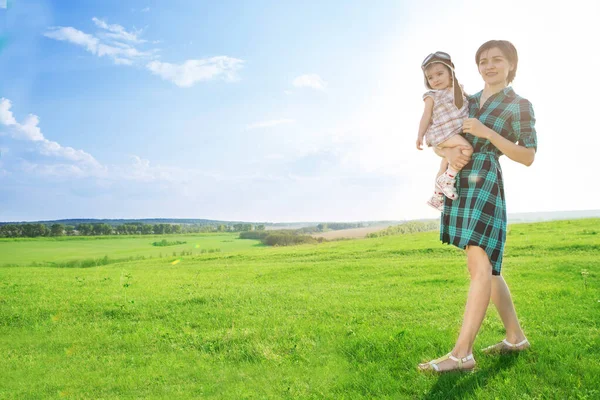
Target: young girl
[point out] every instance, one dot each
(441, 123)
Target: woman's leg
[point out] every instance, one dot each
(478, 300)
(503, 301)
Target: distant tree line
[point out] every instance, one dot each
(285, 237)
(334, 226)
(338, 226)
(102, 229)
(407, 227)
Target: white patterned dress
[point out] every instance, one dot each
(446, 119)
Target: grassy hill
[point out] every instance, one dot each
(25, 251)
(347, 319)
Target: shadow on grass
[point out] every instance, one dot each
(459, 385)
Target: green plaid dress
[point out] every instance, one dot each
(478, 216)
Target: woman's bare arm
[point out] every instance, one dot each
(515, 152)
(520, 154)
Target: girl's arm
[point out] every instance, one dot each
(515, 152)
(425, 121)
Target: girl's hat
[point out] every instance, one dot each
(444, 58)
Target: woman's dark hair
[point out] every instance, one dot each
(509, 51)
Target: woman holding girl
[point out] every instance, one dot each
(500, 123)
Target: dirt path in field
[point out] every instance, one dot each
(354, 233)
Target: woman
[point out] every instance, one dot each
(500, 123)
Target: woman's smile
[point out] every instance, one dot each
(494, 67)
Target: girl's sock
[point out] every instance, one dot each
(451, 172)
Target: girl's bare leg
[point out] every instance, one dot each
(443, 167)
(446, 182)
(455, 141)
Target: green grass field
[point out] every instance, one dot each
(347, 320)
(24, 251)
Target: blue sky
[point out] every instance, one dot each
(267, 110)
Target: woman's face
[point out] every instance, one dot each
(494, 66)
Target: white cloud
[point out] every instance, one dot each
(29, 131)
(67, 162)
(121, 53)
(147, 9)
(193, 71)
(118, 44)
(74, 36)
(270, 123)
(50, 148)
(313, 81)
(113, 42)
(58, 170)
(6, 116)
(122, 61)
(141, 170)
(118, 32)
(3, 3)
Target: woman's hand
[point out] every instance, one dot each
(456, 158)
(476, 128)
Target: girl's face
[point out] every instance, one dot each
(494, 67)
(438, 76)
